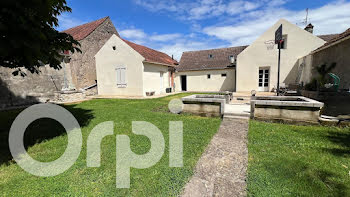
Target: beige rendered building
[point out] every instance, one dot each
(257, 66)
(124, 68)
(208, 70)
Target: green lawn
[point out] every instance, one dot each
(46, 142)
(287, 160)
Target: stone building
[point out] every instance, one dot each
(92, 36)
(336, 50)
(78, 70)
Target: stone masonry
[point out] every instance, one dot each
(77, 73)
(82, 65)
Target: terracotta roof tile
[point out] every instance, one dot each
(328, 37)
(82, 31)
(335, 39)
(208, 59)
(152, 55)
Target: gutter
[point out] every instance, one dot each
(162, 64)
(205, 69)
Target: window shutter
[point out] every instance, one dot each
(121, 76)
(118, 76)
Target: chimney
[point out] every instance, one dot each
(172, 57)
(310, 28)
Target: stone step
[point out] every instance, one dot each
(237, 114)
(236, 117)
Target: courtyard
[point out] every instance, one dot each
(283, 159)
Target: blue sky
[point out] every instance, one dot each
(175, 26)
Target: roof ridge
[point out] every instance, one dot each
(151, 55)
(216, 49)
(145, 46)
(337, 38)
(328, 34)
(80, 32)
(86, 23)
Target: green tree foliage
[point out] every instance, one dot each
(28, 38)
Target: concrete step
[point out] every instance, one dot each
(237, 114)
(236, 117)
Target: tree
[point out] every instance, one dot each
(28, 38)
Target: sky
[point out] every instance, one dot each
(175, 26)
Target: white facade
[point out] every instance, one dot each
(256, 62)
(155, 78)
(121, 71)
(207, 80)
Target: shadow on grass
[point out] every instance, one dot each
(296, 178)
(342, 140)
(38, 131)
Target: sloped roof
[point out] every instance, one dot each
(335, 39)
(328, 37)
(152, 55)
(82, 31)
(200, 60)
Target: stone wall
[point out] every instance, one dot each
(83, 65)
(33, 88)
(340, 54)
(70, 96)
(80, 72)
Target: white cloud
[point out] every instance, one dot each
(178, 48)
(200, 9)
(165, 37)
(236, 22)
(331, 18)
(133, 34)
(171, 44)
(66, 21)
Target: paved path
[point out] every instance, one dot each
(221, 171)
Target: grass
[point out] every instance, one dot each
(46, 141)
(288, 160)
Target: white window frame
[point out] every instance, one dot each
(119, 70)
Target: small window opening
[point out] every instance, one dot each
(208, 76)
(210, 56)
(114, 48)
(223, 75)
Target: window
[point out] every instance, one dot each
(284, 43)
(208, 76)
(232, 59)
(114, 48)
(223, 75)
(121, 77)
(210, 56)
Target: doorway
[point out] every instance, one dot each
(183, 82)
(264, 77)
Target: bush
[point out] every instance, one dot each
(312, 86)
